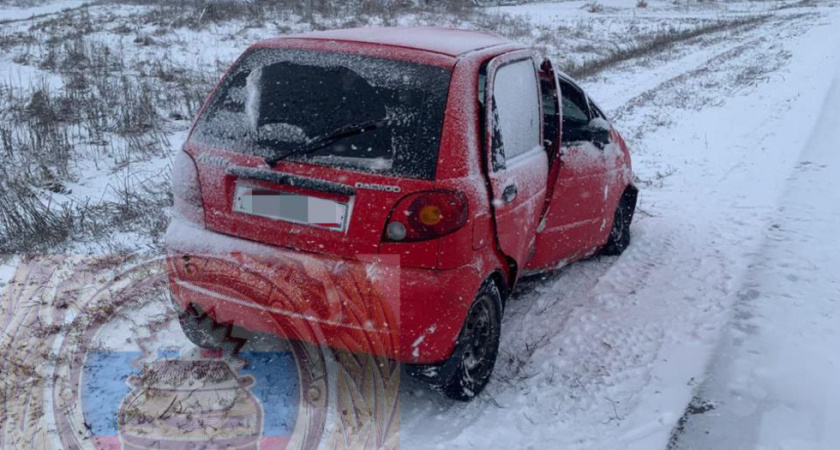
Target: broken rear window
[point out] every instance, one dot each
(277, 101)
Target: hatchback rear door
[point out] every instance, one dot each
(312, 149)
(517, 164)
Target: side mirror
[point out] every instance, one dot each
(598, 132)
(600, 124)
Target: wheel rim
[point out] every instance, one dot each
(618, 226)
(478, 333)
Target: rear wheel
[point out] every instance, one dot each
(620, 233)
(466, 373)
(205, 332)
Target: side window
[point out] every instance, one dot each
(482, 111)
(576, 113)
(516, 112)
(482, 85)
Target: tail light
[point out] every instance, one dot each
(186, 189)
(427, 215)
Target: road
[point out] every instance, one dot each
(774, 381)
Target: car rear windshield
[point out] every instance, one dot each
(277, 101)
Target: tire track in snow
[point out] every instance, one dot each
(39, 16)
(735, 207)
(702, 66)
(678, 59)
(773, 380)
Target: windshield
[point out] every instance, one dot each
(277, 100)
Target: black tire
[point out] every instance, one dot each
(205, 332)
(620, 233)
(467, 371)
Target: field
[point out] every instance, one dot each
(728, 108)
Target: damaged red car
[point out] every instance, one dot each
(382, 191)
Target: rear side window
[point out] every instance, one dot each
(516, 108)
(276, 101)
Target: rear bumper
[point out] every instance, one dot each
(369, 304)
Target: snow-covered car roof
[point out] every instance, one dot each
(444, 41)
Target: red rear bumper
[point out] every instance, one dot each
(367, 305)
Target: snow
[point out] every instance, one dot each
(599, 123)
(253, 121)
(775, 377)
(518, 120)
(445, 41)
(7, 272)
(14, 14)
(371, 164)
(252, 103)
(558, 12)
(729, 291)
(583, 155)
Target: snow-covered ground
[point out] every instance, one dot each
(728, 296)
(774, 378)
(10, 14)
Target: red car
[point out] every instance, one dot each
(461, 158)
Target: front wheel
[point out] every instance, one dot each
(620, 233)
(466, 373)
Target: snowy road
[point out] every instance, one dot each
(774, 383)
(606, 354)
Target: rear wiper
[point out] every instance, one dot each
(328, 139)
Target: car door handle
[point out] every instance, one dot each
(510, 193)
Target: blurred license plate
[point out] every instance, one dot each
(303, 209)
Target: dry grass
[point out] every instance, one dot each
(92, 105)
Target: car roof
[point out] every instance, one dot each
(446, 41)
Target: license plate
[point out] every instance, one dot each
(296, 208)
